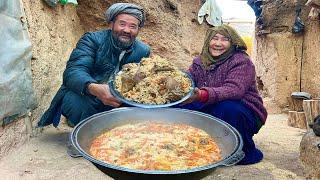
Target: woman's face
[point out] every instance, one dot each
(219, 44)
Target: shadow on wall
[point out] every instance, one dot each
(91, 13)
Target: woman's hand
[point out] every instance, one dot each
(102, 92)
(194, 97)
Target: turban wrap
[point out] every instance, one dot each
(125, 8)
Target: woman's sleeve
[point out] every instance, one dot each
(240, 77)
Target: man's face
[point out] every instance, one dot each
(125, 29)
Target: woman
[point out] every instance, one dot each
(226, 88)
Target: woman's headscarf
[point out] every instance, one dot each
(237, 44)
(125, 8)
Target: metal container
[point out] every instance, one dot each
(227, 137)
(135, 104)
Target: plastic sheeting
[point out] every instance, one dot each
(16, 92)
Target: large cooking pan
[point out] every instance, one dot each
(227, 137)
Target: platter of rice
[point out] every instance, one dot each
(152, 83)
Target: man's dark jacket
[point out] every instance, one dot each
(94, 59)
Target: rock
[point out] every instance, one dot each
(316, 126)
(310, 155)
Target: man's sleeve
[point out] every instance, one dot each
(80, 65)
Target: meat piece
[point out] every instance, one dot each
(127, 83)
(139, 76)
(171, 84)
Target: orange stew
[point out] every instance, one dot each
(156, 146)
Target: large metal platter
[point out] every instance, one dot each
(136, 104)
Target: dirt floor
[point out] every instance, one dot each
(45, 157)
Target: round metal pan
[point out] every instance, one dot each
(227, 137)
(135, 104)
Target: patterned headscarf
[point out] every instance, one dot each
(237, 44)
(125, 8)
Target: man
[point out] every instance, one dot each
(97, 56)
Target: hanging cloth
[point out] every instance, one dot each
(298, 26)
(211, 11)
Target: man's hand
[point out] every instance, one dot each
(102, 92)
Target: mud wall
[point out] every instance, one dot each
(286, 62)
(310, 78)
(53, 32)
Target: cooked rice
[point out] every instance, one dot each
(149, 82)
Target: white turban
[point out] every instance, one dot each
(125, 8)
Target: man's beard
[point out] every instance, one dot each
(120, 43)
